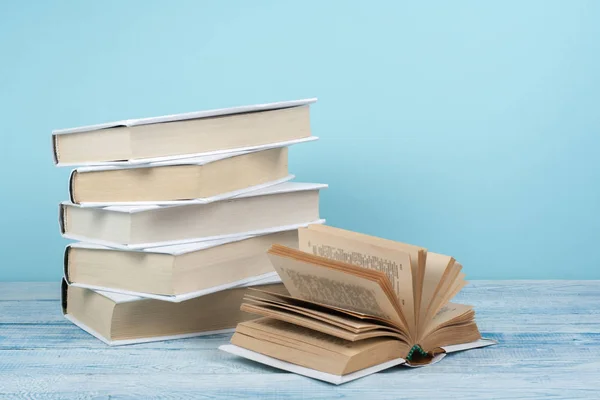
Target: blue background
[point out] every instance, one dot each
(469, 127)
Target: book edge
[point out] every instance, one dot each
(192, 158)
(257, 280)
(202, 200)
(309, 372)
(187, 116)
(149, 246)
(125, 342)
(281, 188)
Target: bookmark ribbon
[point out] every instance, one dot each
(416, 349)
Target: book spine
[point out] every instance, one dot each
(55, 153)
(61, 219)
(66, 263)
(71, 181)
(63, 296)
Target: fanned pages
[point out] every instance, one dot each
(367, 254)
(355, 303)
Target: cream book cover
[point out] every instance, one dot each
(288, 205)
(122, 319)
(180, 136)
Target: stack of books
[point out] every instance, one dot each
(174, 216)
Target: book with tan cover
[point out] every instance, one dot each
(289, 205)
(178, 272)
(200, 133)
(120, 319)
(356, 303)
(176, 180)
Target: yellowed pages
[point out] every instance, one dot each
(366, 318)
(437, 270)
(418, 257)
(414, 251)
(307, 321)
(336, 288)
(392, 262)
(294, 335)
(311, 349)
(450, 313)
(450, 287)
(451, 335)
(347, 322)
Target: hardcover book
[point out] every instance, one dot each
(192, 134)
(275, 208)
(357, 304)
(177, 272)
(120, 319)
(170, 181)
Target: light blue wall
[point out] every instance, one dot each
(472, 128)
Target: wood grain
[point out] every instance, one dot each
(549, 333)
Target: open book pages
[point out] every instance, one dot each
(357, 301)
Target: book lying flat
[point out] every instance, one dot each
(267, 210)
(178, 272)
(340, 379)
(197, 178)
(120, 319)
(200, 200)
(358, 303)
(183, 135)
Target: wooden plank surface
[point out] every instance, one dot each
(549, 333)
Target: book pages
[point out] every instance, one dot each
(191, 115)
(202, 200)
(395, 264)
(335, 288)
(311, 373)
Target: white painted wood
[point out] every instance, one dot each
(549, 333)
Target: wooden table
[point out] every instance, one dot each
(549, 333)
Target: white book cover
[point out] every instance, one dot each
(180, 117)
(287, 187)
(184, 248)
(193, 159)
(270, 188)
(150, 246)
(141, 340)
(309, 372)
(264, 279)
(178, 249)
(119, 297)
(340, 379)
(174, 250)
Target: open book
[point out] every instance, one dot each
(357, 304)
